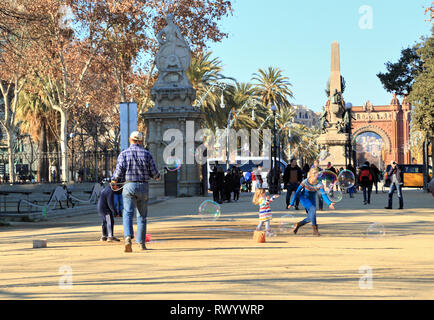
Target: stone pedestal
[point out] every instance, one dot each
(335, 143)
(157, 123)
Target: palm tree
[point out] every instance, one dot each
(272, 87)
(206, 78)
(36, 119)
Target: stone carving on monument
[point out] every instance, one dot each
(172, 124)
(172, 61)
(333, 121)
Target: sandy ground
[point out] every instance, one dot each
(189, 258)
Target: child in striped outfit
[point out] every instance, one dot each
(263, 201)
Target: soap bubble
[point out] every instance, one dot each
(334, 195)
(346, 179)
(286, 223)
(376, 230)
(209, 210)
(328, 179)
(173, 164)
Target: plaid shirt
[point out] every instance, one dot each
(135, 164)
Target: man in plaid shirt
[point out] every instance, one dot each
(135, 166)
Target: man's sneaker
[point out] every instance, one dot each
(103, 239)
(112, 239)
(143, 246)
(388, 208)
(128, 245)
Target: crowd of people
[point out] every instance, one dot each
(225, 184)
(135, 167)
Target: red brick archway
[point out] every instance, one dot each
(391, 123)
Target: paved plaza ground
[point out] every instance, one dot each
(189, 258)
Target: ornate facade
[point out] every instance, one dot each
(391, 122)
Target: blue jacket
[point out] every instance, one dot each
(106, 201)
(307, 192)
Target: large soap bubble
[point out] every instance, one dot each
(209, 210)
(346, 179)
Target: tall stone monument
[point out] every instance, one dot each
(173, 121)
(332, 140)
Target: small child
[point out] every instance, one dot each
(106, 210)
(263, 201)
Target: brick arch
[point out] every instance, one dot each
(381, 132)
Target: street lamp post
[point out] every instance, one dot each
(273, 187)
(71, 136)
(348, 107)
(229, 124)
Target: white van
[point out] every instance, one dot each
(246, 164)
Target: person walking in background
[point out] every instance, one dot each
(376, 174)
(353, 187)
(366, 180)
(135, 166)
(228, 186)
(307, 191)
(253, 175)
(213, 184)
(236, 182)
(248, 180)
(395, 176)
(292, 178)
(220, 183)
(107, 211)
(119, 204)
(330, 167)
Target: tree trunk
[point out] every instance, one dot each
(64, 145)
(11, 156)
(43, 161)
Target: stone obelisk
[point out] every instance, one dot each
(173, 120)
(332, 140)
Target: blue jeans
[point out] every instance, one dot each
(351, 191)
(135, 198)
(311, 216)
(367, 190)
(118, 203)
(398, 188)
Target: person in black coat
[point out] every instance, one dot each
(213, 185)
(366, 179)
(107, 210)
(292, 178)
(228, 186)
(220, 183)
(236, 182)
(376, 173)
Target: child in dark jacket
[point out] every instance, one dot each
(106, 210)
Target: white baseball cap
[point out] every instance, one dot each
(136, 135)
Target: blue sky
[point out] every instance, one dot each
(296, 36)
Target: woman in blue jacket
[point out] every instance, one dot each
(307, 192)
